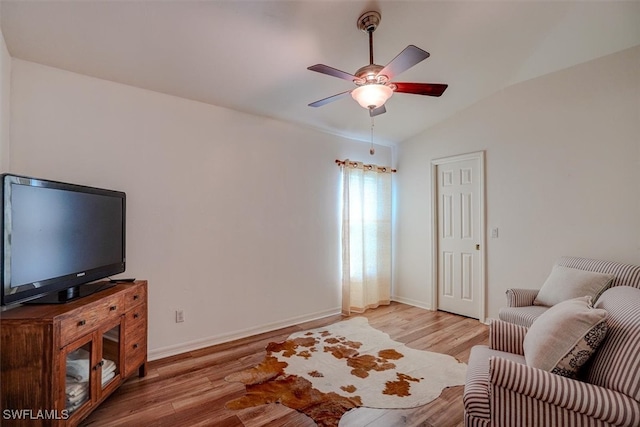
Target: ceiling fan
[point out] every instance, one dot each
(374, 86)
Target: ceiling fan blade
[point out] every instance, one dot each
(325, 69)
(406, 59)
(329, 99)
(430, 89)
(377, 111)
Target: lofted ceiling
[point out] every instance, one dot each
(252, 56)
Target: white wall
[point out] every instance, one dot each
(563, 176)
(232, 218)
(5, 103)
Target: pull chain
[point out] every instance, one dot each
(372, 150)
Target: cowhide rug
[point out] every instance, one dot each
(328, 371)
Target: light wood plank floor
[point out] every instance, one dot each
(190, 390)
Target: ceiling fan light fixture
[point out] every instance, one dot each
(375, 82)
(371, 96)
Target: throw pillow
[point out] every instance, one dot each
(565, 283)
(564, 337)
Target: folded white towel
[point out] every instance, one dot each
(107, 378)
(80, 353)
(76, 395)
(73, 388)
(78, 369)
(108, 367)
(73, 406)
(79, 398)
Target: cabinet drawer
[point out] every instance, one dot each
(136, 320)
(135, 351)
(135, 338)
(83, 320)
(134, 296)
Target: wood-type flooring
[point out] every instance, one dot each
(190, 390)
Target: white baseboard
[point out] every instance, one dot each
(172, 350)
(408, 301)
(488, 320)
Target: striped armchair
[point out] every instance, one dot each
(501, 390)
(521, 310)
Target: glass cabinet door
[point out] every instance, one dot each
(110, 363)
(78, 377)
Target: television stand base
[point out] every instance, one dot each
(72, 293)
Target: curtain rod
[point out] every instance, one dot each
(342, 162)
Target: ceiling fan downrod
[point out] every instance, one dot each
(368, 22)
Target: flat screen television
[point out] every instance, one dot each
(57, 238)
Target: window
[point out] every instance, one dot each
(366, 236)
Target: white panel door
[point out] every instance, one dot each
(459, 235)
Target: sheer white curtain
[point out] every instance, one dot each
(366, 236)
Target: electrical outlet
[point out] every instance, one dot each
(494, 232)
(179, 316)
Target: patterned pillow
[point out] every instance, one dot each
(564, 337)
(565, 283)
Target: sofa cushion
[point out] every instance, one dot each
(564, 337)
(566, 283)
(624, 274)
(476, 390)
(617, 362)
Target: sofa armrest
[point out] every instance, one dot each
(506, 336)
(553, 398)
(521, 297)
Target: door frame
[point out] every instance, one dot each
(480, 157)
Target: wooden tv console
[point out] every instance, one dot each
(100, 339)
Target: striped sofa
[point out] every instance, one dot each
(520, 309)
(501, 390)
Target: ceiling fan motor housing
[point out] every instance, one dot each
(368, 74)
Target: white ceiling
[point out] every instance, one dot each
(252, 56)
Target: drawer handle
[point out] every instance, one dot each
(135, 297)
(136, 315)
(82, 322)
(99, 365)
(113, 308)
(135, 345)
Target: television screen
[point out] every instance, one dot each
(57, 236)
